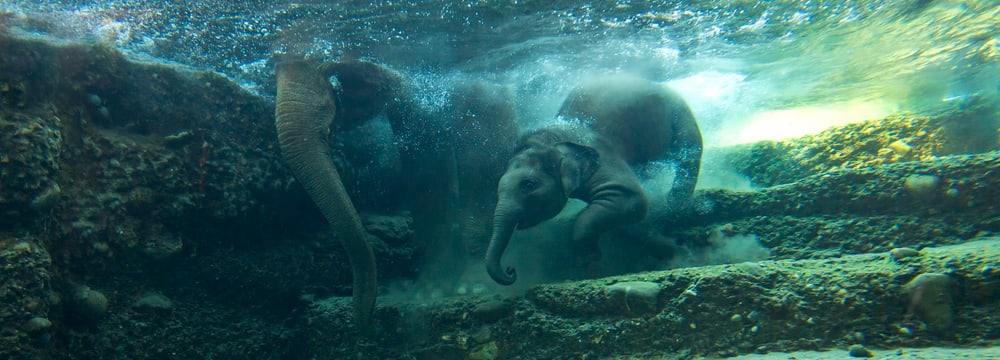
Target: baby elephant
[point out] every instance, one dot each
(609, 126)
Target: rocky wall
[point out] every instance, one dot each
(876, 300)
(122, 181)
(910, 179)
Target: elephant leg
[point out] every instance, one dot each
(304, 111)
(686, 148)
(612, 209)
(434, 205)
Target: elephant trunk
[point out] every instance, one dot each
(304, 111)
(504, 224)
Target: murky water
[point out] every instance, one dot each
(817, 63)
(751, 70)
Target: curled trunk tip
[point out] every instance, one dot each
(503, 276)
(503, 228)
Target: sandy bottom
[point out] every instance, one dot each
(989, 353)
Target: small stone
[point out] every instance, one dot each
(900, 147)
(482, 335)
(94, 99)
(921, 185)
(903, 252)
(859, 351)
(635, 297)
(488, 351)
(162, 246)
(39, 329)
(905, 331)
(88, 304)
(36, 325)
(153, 302)
(492, 310)
(47, 199)
(929, 297)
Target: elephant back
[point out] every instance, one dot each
(630, 113)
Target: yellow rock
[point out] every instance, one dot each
(900, 147)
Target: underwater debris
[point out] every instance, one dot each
(178, 136)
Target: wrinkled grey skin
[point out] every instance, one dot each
(612, 125)
(304, 112)
(483, 120)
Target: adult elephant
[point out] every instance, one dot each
(608, 127)
(304, 112)
(306, 107)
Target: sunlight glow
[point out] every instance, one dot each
(790, 123)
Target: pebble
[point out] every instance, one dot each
(921, 185)
(88, 304)
(39, 329)
(859, 351)
(636, 297)
(492, 310)
(153, 302)
(929, 296)
(900, 147)
(903, 252)
(36, 325)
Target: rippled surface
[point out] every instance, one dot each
(818, 62)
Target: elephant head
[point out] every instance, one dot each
(538, 182)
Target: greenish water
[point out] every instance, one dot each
(750, 70)
(734, 60)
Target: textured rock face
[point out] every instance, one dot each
(854, 211)
(719, 310)
(964, 126)
(25, 292)
(33, 145)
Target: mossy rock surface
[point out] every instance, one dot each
(964, 125)
(723, 310)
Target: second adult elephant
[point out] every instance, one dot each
(610, 126)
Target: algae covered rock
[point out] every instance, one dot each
(635, 297)
(929, 296)
(962, 126)
(88, 305)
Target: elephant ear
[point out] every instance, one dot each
(578, 164)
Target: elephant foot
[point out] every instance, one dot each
(587, 253)
(661, 247)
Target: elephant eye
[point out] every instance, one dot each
(529, 184)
